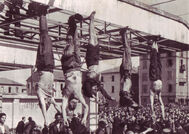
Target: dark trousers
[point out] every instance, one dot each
(45, 57)
(126, 65)
(155, 65)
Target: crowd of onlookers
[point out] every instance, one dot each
(127, 120)
(115, 120)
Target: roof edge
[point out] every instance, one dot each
(156, 11)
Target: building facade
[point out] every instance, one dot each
(111, 81)
(174, 78)
(9, 87)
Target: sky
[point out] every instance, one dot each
(176, 7)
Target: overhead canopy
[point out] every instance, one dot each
(111, 16)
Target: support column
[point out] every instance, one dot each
(15, 112)
(1, 99)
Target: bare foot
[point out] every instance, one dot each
(92, 15)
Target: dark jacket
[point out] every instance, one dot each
(45, 57)
(77, 127)
(155, 65)
(53, 129)
(29, 127)
(118, 126)
(20, 127)
(92, 86)
(92, 55)
(71, 60)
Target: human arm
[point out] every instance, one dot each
(152, 102)
(162, 105)
(64, 106)
(104, 93)
(86, 108)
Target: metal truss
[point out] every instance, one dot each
(109, 37)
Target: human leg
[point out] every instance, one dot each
(125, 73)
(92, 54)
(92, 34)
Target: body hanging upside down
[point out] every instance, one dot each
(125, 73)
(71, 66)
(45, 66)
(155, 78)
(92, 84)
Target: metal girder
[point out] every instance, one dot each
(11, 66)
(109, 36)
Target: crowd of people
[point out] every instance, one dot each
(119, 120)
(128, 120)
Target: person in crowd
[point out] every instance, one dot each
(20, 126)
(155, 77)
(118, 125)
(176, 119)
(179, 129)
(125, 73)
(45, 66)
(101, 127)
(92, 84)
(71, 66)
(57, 127)
(77, 127)
(29, 126)
(4, 129)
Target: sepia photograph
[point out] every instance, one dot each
(94, 66)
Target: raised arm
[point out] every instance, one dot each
(64, 106)
(162, 105)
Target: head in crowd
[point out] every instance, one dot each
(29, 119)
(101, 124)
(23, 119)
(58, 116)
(2, 118)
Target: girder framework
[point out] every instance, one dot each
(108, 34)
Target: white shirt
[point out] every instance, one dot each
(2, 128)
